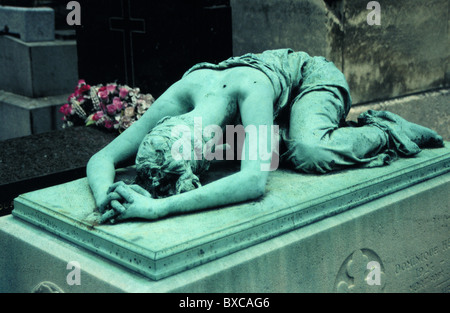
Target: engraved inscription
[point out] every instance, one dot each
(429, 269)
(416, 260)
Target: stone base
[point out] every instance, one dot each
(28, 70)
(22, 116)
(406, 233)
(318, 233)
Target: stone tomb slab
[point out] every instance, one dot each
(172, 245)
(30, 24)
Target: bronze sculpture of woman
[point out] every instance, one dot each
(307, 97)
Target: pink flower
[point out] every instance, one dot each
(81, 82)
(98, 115)
(76, 93)
(108, 124)
(115, 106)
(123, 93)
(66, 109)
(111, 108)
(80, 99)
(117, 103)
(84, 88)
(103, 93)
(110, 88)
(70, 97)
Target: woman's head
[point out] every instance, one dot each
(161, 172)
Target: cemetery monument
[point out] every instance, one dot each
(309, 91)
(247, 176)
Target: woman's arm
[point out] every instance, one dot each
(101, 167)
(136, 202)
(239, 187)
(249, 183)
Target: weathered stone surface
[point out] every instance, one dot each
(407, 53)
(406, 233)
(31, 24)
(23, 116)
(166, 247)
(38, 69)
(308, 26)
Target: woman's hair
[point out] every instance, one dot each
(158, 171)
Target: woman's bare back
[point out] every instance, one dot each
(214, 95)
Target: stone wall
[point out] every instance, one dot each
(28, 70)
(407, 53)
(37, 72)
(309, 26)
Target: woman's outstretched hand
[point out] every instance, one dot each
(127, 201)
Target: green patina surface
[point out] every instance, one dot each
(161, 248)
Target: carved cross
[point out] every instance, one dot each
(127, 25)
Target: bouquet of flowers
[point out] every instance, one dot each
(114, 107)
